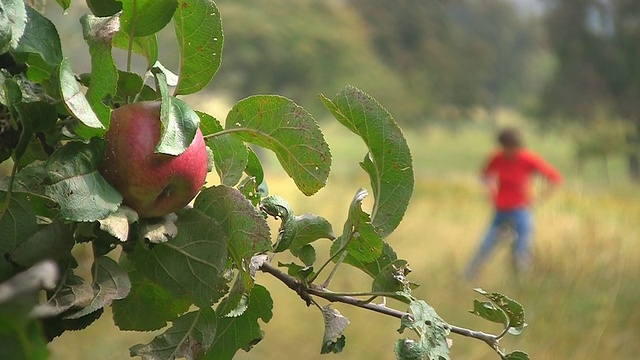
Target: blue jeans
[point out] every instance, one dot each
(521, 222)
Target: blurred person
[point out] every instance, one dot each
(507, 176)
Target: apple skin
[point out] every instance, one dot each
(152, 184)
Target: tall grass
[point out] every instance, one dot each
(581, 299)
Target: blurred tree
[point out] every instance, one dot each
(596, 43)
(303, 47)
(460, 53)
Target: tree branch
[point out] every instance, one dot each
(306, 293)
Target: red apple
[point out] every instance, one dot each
(152, 184)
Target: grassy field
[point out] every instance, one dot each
(581, 299)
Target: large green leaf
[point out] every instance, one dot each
(77, 186)
(77, 103)
(17, 224)
(230, 154)
(146, 17)
(388, 162)
(191, 264)
(13, 20)
(30, 180)
(246, 230)
(309, 228)
(359, 238)
(74, 292)
(40, 37)
(148, 306)
(190, 336)
(199, 31)
(53, 242)
(179, 122)
(242, 332)
(110, 282)
(277, 207)
(98, 33)
(282, 126)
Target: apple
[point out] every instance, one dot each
(152, 184)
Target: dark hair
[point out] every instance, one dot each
(510, 138)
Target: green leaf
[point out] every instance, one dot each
(130, 86)
(13, 20)
(104, 7)
(24, 341)
(388, 162)
(488, 311)
(237, 302)
(198, 28)
(98, 33)
(393, 278)
(40, 37)
(361, 241)
(430, 328)
(280, 125)
(375, 267)
(189, 337)
(303, 273)
(517, 355)
(53, 242)
(409, 349)
(53, 327)
(14, 97)
(148, 305)
(74, 293)
(64, 4)
(309, 228)
(254, 169)
(246, 230)
(110, 283)
(335, 324)
(364, 243)
(230, 154)
(280, 209)
(77, 186)
(307, 254)
(179, 122)
(242, 332)
(191, 264)
(29, 180)
(17, 224)
(41, 116)
(512, 309)
(146, 17)
(76, 102)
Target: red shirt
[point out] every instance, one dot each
(513, 174)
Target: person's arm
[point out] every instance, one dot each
(552, 176)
